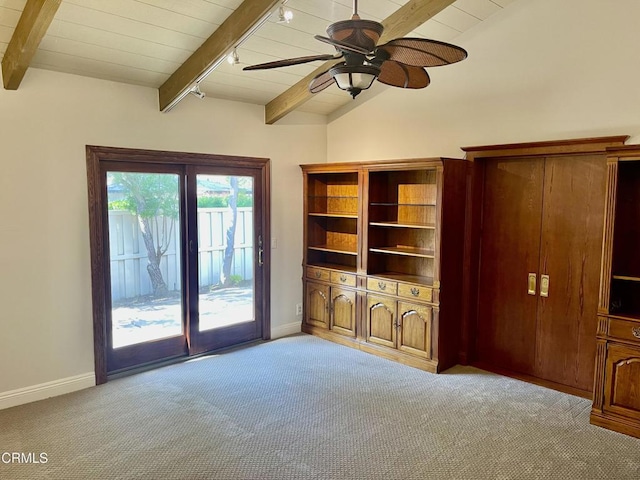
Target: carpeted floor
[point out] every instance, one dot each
(303, 408)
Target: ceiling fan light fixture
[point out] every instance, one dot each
(354, 78)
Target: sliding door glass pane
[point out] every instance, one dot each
(225, 250)
(145, 256)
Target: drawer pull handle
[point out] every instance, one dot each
(415, 292)
(343, 278)
(382, 285)
(318, 274)
(635, 331)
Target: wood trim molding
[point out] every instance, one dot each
(623, 153)
(406, 19)
(32, 26)
(214, 48)
(553, 147)
(372, 165)
(96, 239)
(607, 237)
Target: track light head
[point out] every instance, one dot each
(233, 58)
(195, 91)
(284, 16)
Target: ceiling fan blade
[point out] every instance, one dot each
(291, 61)
(421, 52)
(321, 81)
(340, 45)
(404, 76)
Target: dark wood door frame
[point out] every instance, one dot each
(100, 288)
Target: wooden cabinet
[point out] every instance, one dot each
(382, 320)
(616, 399)
(343, 311)
(330, 306)
(400, 325)
(386, 240)
(536, 238)
(316, 312)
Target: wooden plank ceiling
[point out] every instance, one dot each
(144, 42)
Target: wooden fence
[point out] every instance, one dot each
(128, 255)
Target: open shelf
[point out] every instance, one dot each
(396, 224)
(333, 194)
(389, 204)
(626, 278)
(334, 266)
(334, 215)
(625, 282)
(627, 316)
(402, 217)
(408, 251)
(333, 249)
(625, 296)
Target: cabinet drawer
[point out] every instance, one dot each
(382, 286)
(624, 330)
(318, 274)
(415, 292)
(343, 279)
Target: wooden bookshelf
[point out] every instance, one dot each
(372, 257)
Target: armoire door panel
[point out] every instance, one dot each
(509, 251)
(571, 244)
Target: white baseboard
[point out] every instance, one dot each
(286, 329)
(46, 390)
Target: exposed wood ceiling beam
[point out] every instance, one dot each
(33, 24)
(215, 48)
(404, 20)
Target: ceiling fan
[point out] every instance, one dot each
(399, 62)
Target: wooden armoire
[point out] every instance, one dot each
(535, 229)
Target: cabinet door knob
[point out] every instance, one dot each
(382, 285)
(415, 292)
(635, 331)
(318, 274)
(343, 278)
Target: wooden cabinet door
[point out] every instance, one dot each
(343, 311)
(381, 320)
(622, 381)
(509, 251)
(317, 306)
(415, 329)
(570, 250)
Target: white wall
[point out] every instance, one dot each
(537, 70)
(46, 325)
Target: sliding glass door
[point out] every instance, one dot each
(179, 266)
(225, 289)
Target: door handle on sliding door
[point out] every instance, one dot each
(531, 286)
(260, 250)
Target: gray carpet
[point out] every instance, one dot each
(303, 408)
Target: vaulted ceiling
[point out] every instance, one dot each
(169, 44)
